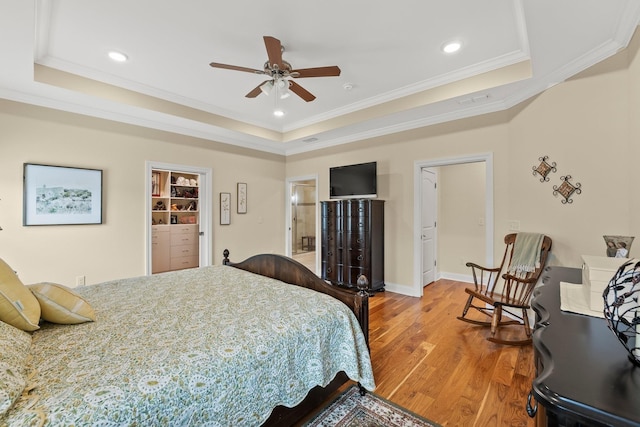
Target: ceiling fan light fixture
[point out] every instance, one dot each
(283, 88)
(266, 88)
(279, 71)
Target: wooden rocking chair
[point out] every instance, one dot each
(511, 294)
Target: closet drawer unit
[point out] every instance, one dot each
(184, 262)
(179, 239)
(160, 249)
(184, 229)
(160, 234)
(184, 251)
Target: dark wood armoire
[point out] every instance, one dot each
(353, 242)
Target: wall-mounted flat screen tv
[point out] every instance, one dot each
(353, 181)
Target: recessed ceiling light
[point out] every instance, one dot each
(278, 113)
(451, 47)
(118, 56)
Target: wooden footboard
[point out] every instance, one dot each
(290, 271)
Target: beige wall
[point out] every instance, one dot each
(586, 125)
(396, 155)
(117, 248)
(632, 81)
(461, 217)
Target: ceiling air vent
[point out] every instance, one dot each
(312, 139)
(473, 100)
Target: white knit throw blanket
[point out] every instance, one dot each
(526, 254)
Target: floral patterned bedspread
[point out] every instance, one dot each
(214, 346)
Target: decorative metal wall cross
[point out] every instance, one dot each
(544, 168)
(566, 189)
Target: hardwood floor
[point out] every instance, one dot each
(426, 360)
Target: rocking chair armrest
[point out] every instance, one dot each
(479, 267)
(507, 277)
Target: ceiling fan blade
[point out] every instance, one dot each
(331, 71)
(236, 68)
(300, 91)
(257, 91)
(274, 51)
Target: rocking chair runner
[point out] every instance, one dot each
(498, 297)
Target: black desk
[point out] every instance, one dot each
(584, 377)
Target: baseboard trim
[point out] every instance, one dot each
(457, 277)
(400, 289)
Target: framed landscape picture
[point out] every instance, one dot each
(59, 195)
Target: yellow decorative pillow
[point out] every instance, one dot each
(18, 306)
(59, 304)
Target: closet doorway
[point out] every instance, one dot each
(178, 225)
(302, 219)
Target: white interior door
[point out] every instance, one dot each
(429, 222)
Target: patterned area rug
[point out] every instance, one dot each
(352, 410)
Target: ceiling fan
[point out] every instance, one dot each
(280, 71)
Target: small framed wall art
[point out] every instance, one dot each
(60, 195)
(242, 198)
(225, 208)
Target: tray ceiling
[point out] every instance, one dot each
(394, 76)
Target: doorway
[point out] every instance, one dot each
(302, 220)
(419, 214)
(201, 210)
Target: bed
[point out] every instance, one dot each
(227, 345)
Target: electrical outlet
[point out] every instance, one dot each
(80, 280)
(514, 225)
